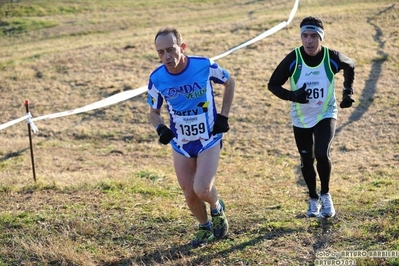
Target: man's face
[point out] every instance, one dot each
(170, 53)
(311, 42)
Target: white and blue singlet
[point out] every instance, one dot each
(190, 102)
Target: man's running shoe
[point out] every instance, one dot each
(219, 222)
(202, 237)
(327, 206)
(314, 208)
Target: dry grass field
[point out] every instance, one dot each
(106, 193)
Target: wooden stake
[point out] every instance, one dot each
(30, 143)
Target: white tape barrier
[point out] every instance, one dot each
(27, 117)
(107, 101)
(133, 93)
(8, 124)
(264, 34)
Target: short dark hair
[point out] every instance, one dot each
(166, 30)
(312, 20)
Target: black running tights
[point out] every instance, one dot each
(314, 143)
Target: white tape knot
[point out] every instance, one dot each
(30, 122)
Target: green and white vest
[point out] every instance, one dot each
(321, 88)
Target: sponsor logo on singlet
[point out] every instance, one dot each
(315, 73)
(190, 91)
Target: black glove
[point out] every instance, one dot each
(299, 96)
(346, 98)
(221, 124)
(165, 134)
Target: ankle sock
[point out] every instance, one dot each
(218, 209)
(206, 225)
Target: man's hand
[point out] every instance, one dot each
(347, 100)
(165, 134)
(221, 124)
(300, 95)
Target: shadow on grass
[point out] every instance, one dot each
(324, 233)
(170, 255)
(323, 237)
(366, 98)
(12, 155)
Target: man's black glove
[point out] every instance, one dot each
(221, 124)
(346, 98)
(165, 134)
(299, 96)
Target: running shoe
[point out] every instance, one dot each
(202, 237)
(327, 206)
(314, 208)
(219, 222)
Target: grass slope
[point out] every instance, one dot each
(106, 193)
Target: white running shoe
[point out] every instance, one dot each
(327, 206)
(314, 208)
